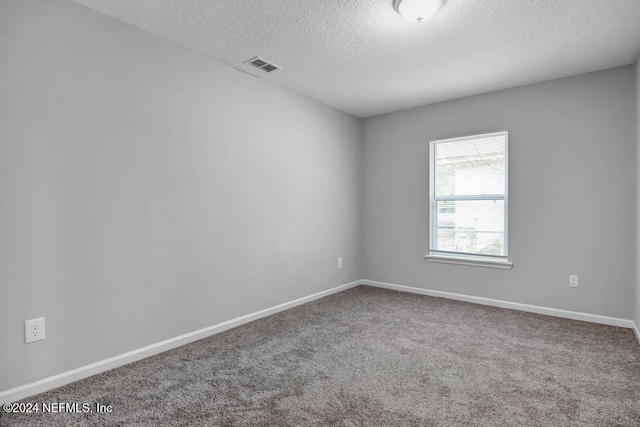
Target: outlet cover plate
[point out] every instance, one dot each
(573, 281)
(34, 330)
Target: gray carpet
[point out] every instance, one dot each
(373, 357)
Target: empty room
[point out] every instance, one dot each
(312, 213)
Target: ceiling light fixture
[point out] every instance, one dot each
(417, 10)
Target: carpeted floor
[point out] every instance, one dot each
(374, 357)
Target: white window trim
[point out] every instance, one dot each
(490, 261)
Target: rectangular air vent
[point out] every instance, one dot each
(262, 64)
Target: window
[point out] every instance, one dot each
(469, 200)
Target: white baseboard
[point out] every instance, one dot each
(59, 380)
(637, 332)
(593, 318)
(21, 392)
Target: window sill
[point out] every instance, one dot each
(476, 262)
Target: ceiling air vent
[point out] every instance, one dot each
(262, 64)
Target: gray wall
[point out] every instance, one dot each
(572, 193)
(147, 191)
(637, 260)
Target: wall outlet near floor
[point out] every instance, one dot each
(33, 330)
(339, 262)
(573, 281)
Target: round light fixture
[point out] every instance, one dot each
(417, 10)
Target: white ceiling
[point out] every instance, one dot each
(361, 57)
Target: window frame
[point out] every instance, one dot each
(481, 260)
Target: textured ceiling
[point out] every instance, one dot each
(361, 57)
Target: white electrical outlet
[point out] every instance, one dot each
(34, 330)
(339, 262)
(573, 281)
